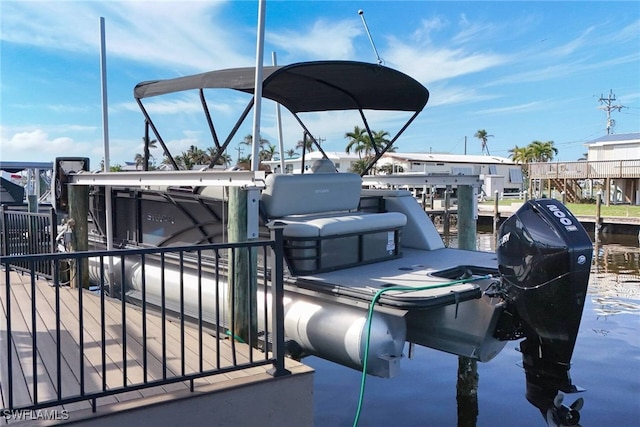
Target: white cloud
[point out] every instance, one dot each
(521, 108)
(36, 145)
(149, 32)
(428, 64)
(314, 43)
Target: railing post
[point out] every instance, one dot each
(277, 303)
(3, 224)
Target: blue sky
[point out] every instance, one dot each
(523, 71)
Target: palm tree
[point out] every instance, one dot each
(248, 140)
(358, 166)
(224, 159)
(524, 156)
(543, 151)
(306, 144)
(147, 144)
(380, 140)
(269, 153)
(358, 141)
(192, 157)
(483, 136)
(290, 153)
(139, 159)
(520, 154)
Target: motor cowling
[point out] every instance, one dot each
(544, 257)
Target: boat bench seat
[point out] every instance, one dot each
(324, 230)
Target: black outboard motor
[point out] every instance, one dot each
(544, 257)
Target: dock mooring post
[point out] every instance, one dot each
(242, 278)
(467, 385)
(79, 213)
(598, 223)
(496, 211)
(446, 215)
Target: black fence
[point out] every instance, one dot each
(176, 316)
(25, 233)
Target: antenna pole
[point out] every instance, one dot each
(366, 28)
(607, 107)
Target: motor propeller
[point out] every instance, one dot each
(560, 414)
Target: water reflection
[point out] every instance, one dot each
(615, 275)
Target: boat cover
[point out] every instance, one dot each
(310, 86)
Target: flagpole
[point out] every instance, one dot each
(257, 107)
(105, 138)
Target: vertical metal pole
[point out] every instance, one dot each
(257, 94)
(277, 305)
(107, 160)
(274, 61)
(103, 79)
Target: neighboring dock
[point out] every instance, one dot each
(608, 224)
(151, 348)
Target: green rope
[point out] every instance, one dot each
(370, 316)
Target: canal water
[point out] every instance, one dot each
(606, 362)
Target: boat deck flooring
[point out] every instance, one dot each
(34, 374)
(415, 268)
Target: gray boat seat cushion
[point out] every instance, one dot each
(300, 227)
(287, 194)
(320, 205)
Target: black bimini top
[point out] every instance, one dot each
(310, 86)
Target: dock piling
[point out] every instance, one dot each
(467, 384)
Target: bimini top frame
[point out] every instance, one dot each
(303, 87)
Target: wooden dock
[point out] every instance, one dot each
(35, 373)
(631, 222)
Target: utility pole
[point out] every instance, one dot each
(239, 150)
(608, 107)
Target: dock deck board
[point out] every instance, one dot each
(81, 348)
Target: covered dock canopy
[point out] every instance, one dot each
(310, 86)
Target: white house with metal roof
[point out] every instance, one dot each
(624, 146)
(498, 173)
(342, 161)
